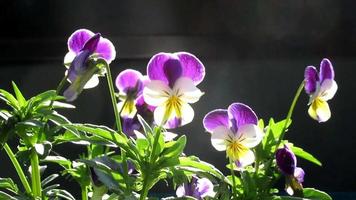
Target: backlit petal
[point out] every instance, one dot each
(129, 79)
(311, 78)
(319, 110)
(93, 82)
(327, 89)
(241, 114)
(245, 159)
(250, 135)
(186, 90)
(205, 188)
(215, 118)
(106, 50)
(156, 93)
(165, 67)
(219, 136)
(326, 70)
(193, 68)
(77, 40)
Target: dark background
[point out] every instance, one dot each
(254, 52)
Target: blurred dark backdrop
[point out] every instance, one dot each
(254, 52)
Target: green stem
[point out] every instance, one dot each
(113, 98)
(18, 168)
(147, 173)
(290, 112)
(36, 176)
(234, 192)
(84, 193)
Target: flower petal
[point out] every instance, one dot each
(205, 188)
(241, 114)
(180, 192)
(93, 82)
(92, 43)
(165, 67)
(129, 110)
(68, 58)
(219, 136)
(178, 118)
(299, 174)
(286, 160)
(326, 70)
(193, 68)
(327, 89)
(215, 118)
(311, 78)
(319, 110)
(106, 50)
(156, 93)
(245, 159)
(250, 135)
(186, 90)
(77, 40)
(129, 79)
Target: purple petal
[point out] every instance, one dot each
(240, 114)
(106, 50)
(165, 67)
(299, 174)
(129, 125)
(326, 70)
(215, 118)
(77, 40)
(173, 123)
(286, 160)
(78, 65)
(204, 187)
(192, 67)
(311, 78)
(92, 43)
(129, 80)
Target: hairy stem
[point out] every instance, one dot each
(234, 192)
(36, 176)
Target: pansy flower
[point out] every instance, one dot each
(197, 188)
(235, 131)
(287, 163)
(130, 84)
(84, 48)
(172, 87)
(321, 87)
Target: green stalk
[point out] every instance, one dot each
(290, 112)
(234, 192)
(147, 173)
(36, 176)
(18, 168)
(113, 98)
(85, 193)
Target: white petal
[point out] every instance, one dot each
(180, 192)
(68, 58)
(219, 136)
(159, 114)
(327, 89)
(156, 93)
(93, 82)
(187, 114)
(250, 135)
(139, 135)
(247, 159)
(186, 90)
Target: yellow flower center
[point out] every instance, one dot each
(173, 104)
(235, 150)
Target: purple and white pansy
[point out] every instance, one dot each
(85, 46)
(321, 87)
(235, 131)
(130, 83)
(197, 188)
(287, 163)
(172, 87)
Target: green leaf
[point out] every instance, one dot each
(194, 163)
(315, 194)
(175, 149)
(60, 193)
(62, 161)
(142, 146)
(48, 179)
(20, 98)
(8, 183)
(305, 155)
(6, 196)
(9, 99)
(147, 129)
